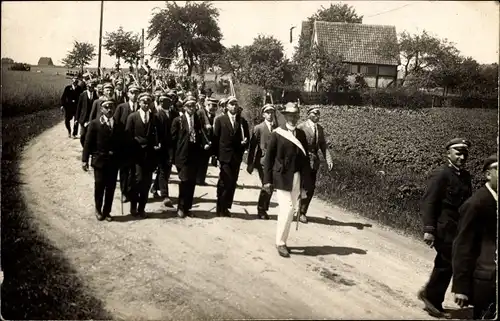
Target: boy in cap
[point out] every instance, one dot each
(120, 96)
(257, 152)
(96, 106)
(231, 138)
(188, 141)
(448, 188)
(206, 116)
(316, 141)
(286, 168)
(69, 100)
(83, 108)
(104, 143)
(141, 128)
(475, 247)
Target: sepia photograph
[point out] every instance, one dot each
(249, 160)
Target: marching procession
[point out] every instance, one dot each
(132, 130)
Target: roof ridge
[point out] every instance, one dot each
(349, 23)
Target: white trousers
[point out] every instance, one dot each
(289, 202)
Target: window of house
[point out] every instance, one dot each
(387, 70)
(354, 69)
(368, 70)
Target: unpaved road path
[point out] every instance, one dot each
(343, 266)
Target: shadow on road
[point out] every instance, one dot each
(330, 221)
(325, 250)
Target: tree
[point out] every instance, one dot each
(327, 69)
(188, 32)
(232, 61)
(335, 13)
(6, 60)
(80, 56)
(264, 62)
(121, 44)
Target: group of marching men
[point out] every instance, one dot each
(136, 132)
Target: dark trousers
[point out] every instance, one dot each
(186, 194)
(226, 186)
(201, 173)
(104, 188)
(264, 197)
(441, 274)
(142, 177)
(304, 204)
(484, 299)
(69, 114)
(126, 178)
(162, 177)
(83, 133)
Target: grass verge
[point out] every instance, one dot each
(39, 283)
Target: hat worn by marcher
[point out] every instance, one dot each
(231, 99)
(107, 103)
(311, 110)
(134, 88)
(108, 85)
(458, 143)
(145, 95)
(290, 108)
(266, 108)
(490, 162)
(189, 100)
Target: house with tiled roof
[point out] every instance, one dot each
(358, 44)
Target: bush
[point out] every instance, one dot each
(396, 98)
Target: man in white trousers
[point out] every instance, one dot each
(286, 168)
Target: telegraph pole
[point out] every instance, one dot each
(100, 43)
(142, 48)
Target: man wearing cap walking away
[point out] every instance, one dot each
(141, 129)
(475, 247)
(206, 116)
(286, 168)
(122, 112)
(448, 188)
(316, 141)
(83, 108)
(69, 100)
(164, 118)
(120, 96)
(108, 90)
(188, 141)
(231, 138)
(256, 153)
(104, 143)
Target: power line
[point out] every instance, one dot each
(383, 12)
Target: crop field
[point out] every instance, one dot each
(26, 92)
(383, 157)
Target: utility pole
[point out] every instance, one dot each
(100, 43)
(142, 52)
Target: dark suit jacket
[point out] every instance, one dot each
(207, 123)
(119, 97)
(475, 245)
(95, 113)
(183, 155)
(164, 120)
(227, 141)
(84, 107)
(69, 98)
(446, 192)
(258, 145)
(143, 138)
(283, 158)
(315, 145)
(104, 144)
(122, 112)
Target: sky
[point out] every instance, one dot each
(33, 29)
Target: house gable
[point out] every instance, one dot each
(45, 61)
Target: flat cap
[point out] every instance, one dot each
(266, 108)
(458, 143)
(491, 161)
(108, 85)
(313, 109)
(212, 101)
(231, 99)
(189, 100)
(144, 95)
(107, 102)
(165, 96)
(132, 87)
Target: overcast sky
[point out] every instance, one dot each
(42, 28)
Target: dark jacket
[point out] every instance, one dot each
(227, 140)
(164, 120)
(143, 138)
(258, 145)
(70, 96)
(184, 152)
(475, 245)
(283, 159)
(103, 143)
(316, 143)
(207, 123)
(446, 191)
(122, 112)
(84, 107)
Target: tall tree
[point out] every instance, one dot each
(80, 56)
(265, 62)
(232, 61)
(327, 69)
(335, 13)
(123, 45)
(188, 32)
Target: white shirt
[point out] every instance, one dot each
(108, 121)
(131, 104)
(158, 106)
(232, 118)
(493, 193)
(269, 125)
(89, 94)
(190, 121)
(291, 128)
(143, 115)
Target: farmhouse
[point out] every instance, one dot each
(45, 61)
(358, 44)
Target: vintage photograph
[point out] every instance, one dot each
(229, 160)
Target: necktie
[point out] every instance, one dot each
(192, 134)
(146, 117)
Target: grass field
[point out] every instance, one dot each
(25, 92)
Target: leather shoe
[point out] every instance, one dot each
(167, 202)
(133, 212)
(141, 214)
(263, 216)
(303, 219)
(181, 213)
(283, 251)
(108, 218)
(99, 216)
(430, 308)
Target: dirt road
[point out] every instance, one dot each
(342, 266)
